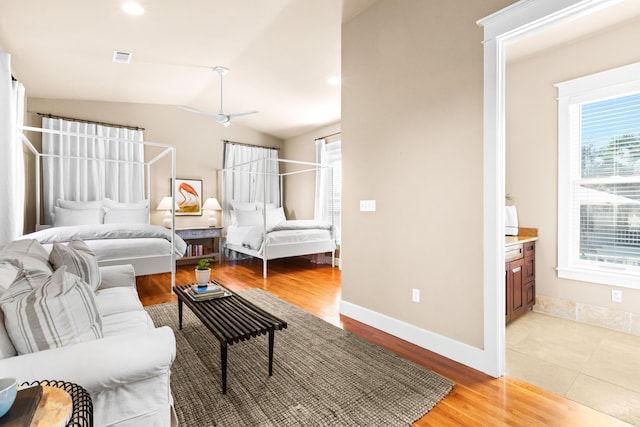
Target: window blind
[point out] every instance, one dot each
(605, 180)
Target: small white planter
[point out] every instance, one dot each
(202, 276)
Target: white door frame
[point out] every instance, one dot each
(519, 20)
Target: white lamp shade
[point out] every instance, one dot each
(165, 204)
(211, 204)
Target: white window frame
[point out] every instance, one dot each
(608, 84)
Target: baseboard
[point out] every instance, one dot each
(605, 317)
(447, 347)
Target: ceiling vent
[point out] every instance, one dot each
(121, 56)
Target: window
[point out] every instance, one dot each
(329, 188)
(599, 178)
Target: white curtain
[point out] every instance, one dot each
(12, 178)
(247, 183)
(321, 210)
(328, 201)
(90, 162)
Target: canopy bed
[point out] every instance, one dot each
(97, 186)
(247, 220)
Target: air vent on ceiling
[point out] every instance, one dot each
(121, 56)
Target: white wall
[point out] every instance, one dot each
(299, 194)
(412, 90)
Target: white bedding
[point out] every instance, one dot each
(292, 231)
(115, 241)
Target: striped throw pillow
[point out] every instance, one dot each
(49, 312)
(79, 260)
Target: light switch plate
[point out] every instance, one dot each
(367, 205)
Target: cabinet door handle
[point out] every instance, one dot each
(517, 269)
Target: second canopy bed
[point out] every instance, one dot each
(259, 228)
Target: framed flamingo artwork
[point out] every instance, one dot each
(188, 196)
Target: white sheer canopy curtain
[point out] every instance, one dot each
(321, 210)
(328, 200)
(12, 178)
(246, 181)
(87, 161)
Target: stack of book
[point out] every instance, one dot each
(24, 407)
(205, 292)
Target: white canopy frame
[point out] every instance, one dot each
(289, 249)
(144, 264)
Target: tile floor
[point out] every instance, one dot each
(597, 367)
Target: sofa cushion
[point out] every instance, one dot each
(126, 322)
(79, 260)
(48, 312)
(117, 300)
(31, 254)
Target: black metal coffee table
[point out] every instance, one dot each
(231, 319)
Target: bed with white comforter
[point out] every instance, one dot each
(147, 247)
(284, 238)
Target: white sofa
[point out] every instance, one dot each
(126, 371)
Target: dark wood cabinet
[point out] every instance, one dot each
(520, 272)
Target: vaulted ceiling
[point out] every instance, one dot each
(280, 52)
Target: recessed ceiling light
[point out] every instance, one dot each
(132, 8)
(334, 80)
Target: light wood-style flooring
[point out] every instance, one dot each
(476, 400)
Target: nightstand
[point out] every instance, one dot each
(201, 243)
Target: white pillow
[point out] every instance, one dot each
(79, 260)
(268, 206)
(108, 203)
(65, 217)
(126, 216)
(76, 205)
(9, 269)
(56, 313)
(243, 206)
(29, 252)
(275, 216)
(248, 218)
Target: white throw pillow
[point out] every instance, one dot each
(108, 203)
(275, 216)
(268, 206)
(78, 204)
(31, 254)
(56, 313)
(248, 218)
(79, 260)
(126, 216)
(243, 206)
(64, 217)
(9, 269)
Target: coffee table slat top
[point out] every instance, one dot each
(231, 319)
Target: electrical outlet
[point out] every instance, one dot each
(616, 296)
(415, 295)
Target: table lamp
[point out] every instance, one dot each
(211, 205)
(165, 205)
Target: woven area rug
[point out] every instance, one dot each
(322, 375)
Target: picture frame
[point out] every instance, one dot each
(188, 196)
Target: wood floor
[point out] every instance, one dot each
(476, 400)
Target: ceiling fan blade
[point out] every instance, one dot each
(194, 110)
(246, 113)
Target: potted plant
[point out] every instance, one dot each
(203, 272)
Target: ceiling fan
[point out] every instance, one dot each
(221, 117)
